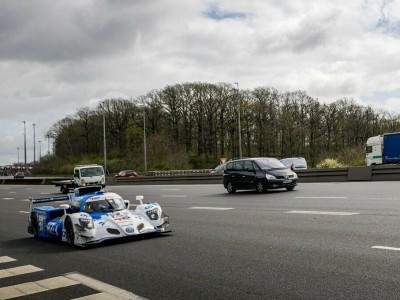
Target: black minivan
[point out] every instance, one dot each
(260, 173)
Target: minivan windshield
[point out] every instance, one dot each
(270, 163)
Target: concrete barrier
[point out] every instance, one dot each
(372, 173)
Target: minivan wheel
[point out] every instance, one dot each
(260, 187)
(290, 188)
(230, 188)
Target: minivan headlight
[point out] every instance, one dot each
(268, 176)
(294, 175)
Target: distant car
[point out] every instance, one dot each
(295, 163)
(126, 173)
(218, 169)
(19, 175)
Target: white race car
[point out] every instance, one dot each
(93, 216)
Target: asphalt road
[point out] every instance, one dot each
(320, 241)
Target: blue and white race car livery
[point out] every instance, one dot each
(93, 216)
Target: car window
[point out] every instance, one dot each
(248, 166)
(239, 166)
(229, 166)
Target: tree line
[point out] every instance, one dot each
(193, 125)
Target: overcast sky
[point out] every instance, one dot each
(59, 56)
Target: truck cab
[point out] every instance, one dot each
(89, 175)
(373, 150)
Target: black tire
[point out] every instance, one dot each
(260, 187)
(35, 226)
(69, 230)
(230, 188)
(64, 189)
(290, 188)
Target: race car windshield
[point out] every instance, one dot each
(116, 203)
(98, 206)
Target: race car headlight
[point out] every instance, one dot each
(153, 214)
(86, 223)
(268, 176)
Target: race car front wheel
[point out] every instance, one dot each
(34, 224)
(69, 228)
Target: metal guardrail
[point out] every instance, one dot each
(372, 173)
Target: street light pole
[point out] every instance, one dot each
(239, 127)
(25, 145)
(18, 155)
(144, 140)
(104, 139)
(40, 151)
(34, 144)
(48, 144)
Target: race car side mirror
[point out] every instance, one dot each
(140, 199)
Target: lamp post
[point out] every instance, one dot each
(40, 151)
(239, 127)
(34, 144)
(48, 144)
(104, 139)
(144, 140)
(25, 145)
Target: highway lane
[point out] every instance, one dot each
(323, 240)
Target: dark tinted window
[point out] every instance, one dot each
(368, 149)
(239, 166)
(248, 165)
(229, 166)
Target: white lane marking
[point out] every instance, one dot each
(170, 189)
(24, 212)
(385, 248)
(34, 287)
(5, 259)
(173, 196)
(12, 192)
(313, 212)
(98, 296)
(8, 198)
(321, 197)
(102, 287)
(18, 271)
(210, 208)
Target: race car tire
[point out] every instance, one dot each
(260, 187)
(35, 226)
(64, 189)
(69, 229)
(290, 188)
(230, 188)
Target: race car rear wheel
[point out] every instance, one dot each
(35, 226)
(69, 229)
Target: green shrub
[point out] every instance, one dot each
(329, 163)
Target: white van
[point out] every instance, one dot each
(295, 163)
